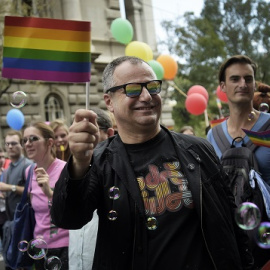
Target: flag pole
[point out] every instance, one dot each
(87, 91)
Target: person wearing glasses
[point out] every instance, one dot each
(160, 195)
(39, 145)
(14, 176)
(13, 179)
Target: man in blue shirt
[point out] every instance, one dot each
(237, 80)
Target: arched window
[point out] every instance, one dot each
(53, 108)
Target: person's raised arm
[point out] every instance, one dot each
(83, 138)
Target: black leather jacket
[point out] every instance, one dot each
(122, 244)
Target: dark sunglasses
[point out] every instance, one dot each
(135, 89)
(30, 139)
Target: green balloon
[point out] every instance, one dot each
(158, 68)
(122, 30)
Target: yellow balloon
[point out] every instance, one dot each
(139, 49)
(149, 52)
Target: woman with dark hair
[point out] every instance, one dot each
(38, 141)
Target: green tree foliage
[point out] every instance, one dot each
(224, 28)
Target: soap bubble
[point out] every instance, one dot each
(248, 216)
(52, 263)
(37, 249)
(23, 245)
(263, 235)
(114, 193)
(251, 116)
(112, 215)
(264, 107)
(151, 223)
(19, 99)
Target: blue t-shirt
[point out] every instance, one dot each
(262, 153)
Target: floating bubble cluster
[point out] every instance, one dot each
(114, 194)
(37, 249)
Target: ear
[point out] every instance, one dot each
(108, 101)
(50, 142)
(222, 87)
(110, 132)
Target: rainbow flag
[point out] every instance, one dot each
(216, 122)
(259, 138)
(46, 49)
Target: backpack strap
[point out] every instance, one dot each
(220, 138)
(223, 143)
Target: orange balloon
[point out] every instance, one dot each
(170, 66)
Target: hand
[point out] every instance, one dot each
(83, 138)
(43, 181)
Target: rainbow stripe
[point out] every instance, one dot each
(216, 122)
(259, 138)
(46, 49)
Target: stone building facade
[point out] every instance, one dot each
(47, 101)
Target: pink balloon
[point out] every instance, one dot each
(196, 103)
(221, 95)
(199, 90)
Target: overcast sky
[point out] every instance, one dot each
(171, 9)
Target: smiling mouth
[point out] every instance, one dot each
(144, 108)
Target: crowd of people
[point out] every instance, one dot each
(117, 190)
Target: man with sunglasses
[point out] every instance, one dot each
(160, 195)
(14, 176)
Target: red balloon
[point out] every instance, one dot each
(199, 90)
(196, 103)
(221, 95)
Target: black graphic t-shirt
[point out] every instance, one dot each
(174, 236)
